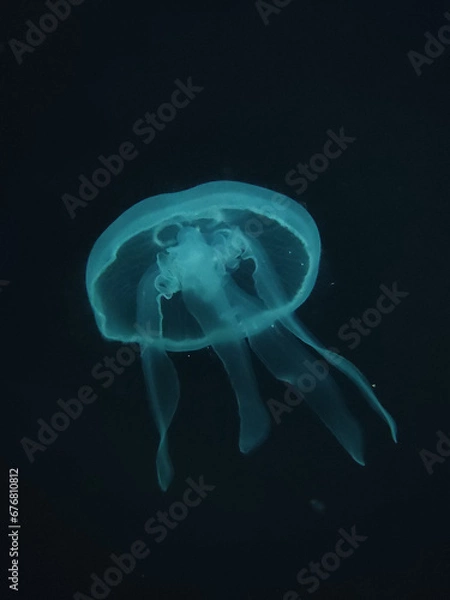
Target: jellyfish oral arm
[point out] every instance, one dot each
(163, 390)
(213, 310)
(346, 367)
(254, 418)
(235, 356)
(333, 413)
(283, 355)
(160, 374)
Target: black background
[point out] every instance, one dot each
(270, 94)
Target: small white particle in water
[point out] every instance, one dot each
(374, 385)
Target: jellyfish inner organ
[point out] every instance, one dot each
(194, 262)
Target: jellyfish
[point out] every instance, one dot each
(224, 265)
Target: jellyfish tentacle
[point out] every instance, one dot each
(235, 356)
(160, 374)
(283, 356)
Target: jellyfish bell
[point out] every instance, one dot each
(159, 234)
(224, 264)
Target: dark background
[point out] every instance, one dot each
(270, 94)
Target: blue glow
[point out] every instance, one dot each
(224, 264)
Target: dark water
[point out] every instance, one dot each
(265, 97)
